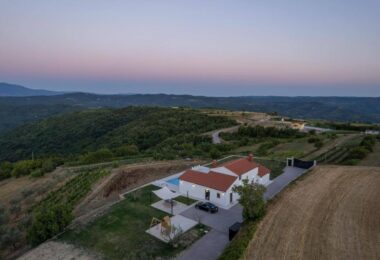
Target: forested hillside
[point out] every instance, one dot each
(344, 109)
(130, 130)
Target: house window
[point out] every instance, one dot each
(218, 195)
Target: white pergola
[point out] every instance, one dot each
(166, 194)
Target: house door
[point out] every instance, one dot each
(231, 197)
(207, 194)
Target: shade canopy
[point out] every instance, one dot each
(166, 194)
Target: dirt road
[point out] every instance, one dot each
(332, 213)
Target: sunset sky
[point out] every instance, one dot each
(214, 48)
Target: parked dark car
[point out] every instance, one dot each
(207, 206)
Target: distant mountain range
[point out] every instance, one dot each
(15, 111)
(11, 90)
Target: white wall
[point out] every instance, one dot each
(198, 191)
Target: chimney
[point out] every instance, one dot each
(214, 163)
(250, 157)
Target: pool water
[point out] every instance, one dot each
(174, 181)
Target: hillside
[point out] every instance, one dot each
(11, 90)
(128, 130)
(349, 109)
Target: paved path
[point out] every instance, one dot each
(209, 247)
(220, 221)
(279, 183)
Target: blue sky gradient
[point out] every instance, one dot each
(215, 48)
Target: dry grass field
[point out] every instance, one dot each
(331, 213)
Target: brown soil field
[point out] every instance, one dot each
(331, 213)
(126, 178)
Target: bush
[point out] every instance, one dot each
(313, 139)
(265, 147)
(127, 150)
(238, 246)
(37, 173)
(5, 170)
(214, 153)
(10, 237)
(358, 153)
(96, 157)
(48, 165)
(48, 222)
(318, 144)
(22, 168)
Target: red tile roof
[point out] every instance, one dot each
(240, 166)
(212, 180)
(263, 170)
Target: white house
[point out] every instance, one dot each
(215, 184)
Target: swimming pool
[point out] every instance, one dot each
(174, 181)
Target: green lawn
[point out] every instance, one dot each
(185, 200)
(120, 234)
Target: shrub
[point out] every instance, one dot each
(48, 165)
(10, 237)
(318, 144)
(127, 150)
(313, 139)
(238, 246)
(5, 170)
(37, 173)
(358, 153)
(214, 153)
(95, 157)
(22, 168)
(48, 222)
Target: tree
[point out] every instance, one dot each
(252, 199)
(214, 153)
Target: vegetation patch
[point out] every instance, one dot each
(185, 200)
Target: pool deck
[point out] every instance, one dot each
(164, 182)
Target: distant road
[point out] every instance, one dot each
(318, 129)
(215, 135)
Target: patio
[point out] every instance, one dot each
(178, 207)
(178, 221)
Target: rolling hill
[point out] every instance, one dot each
(149, 129)
(11, 90)
(15, 111)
